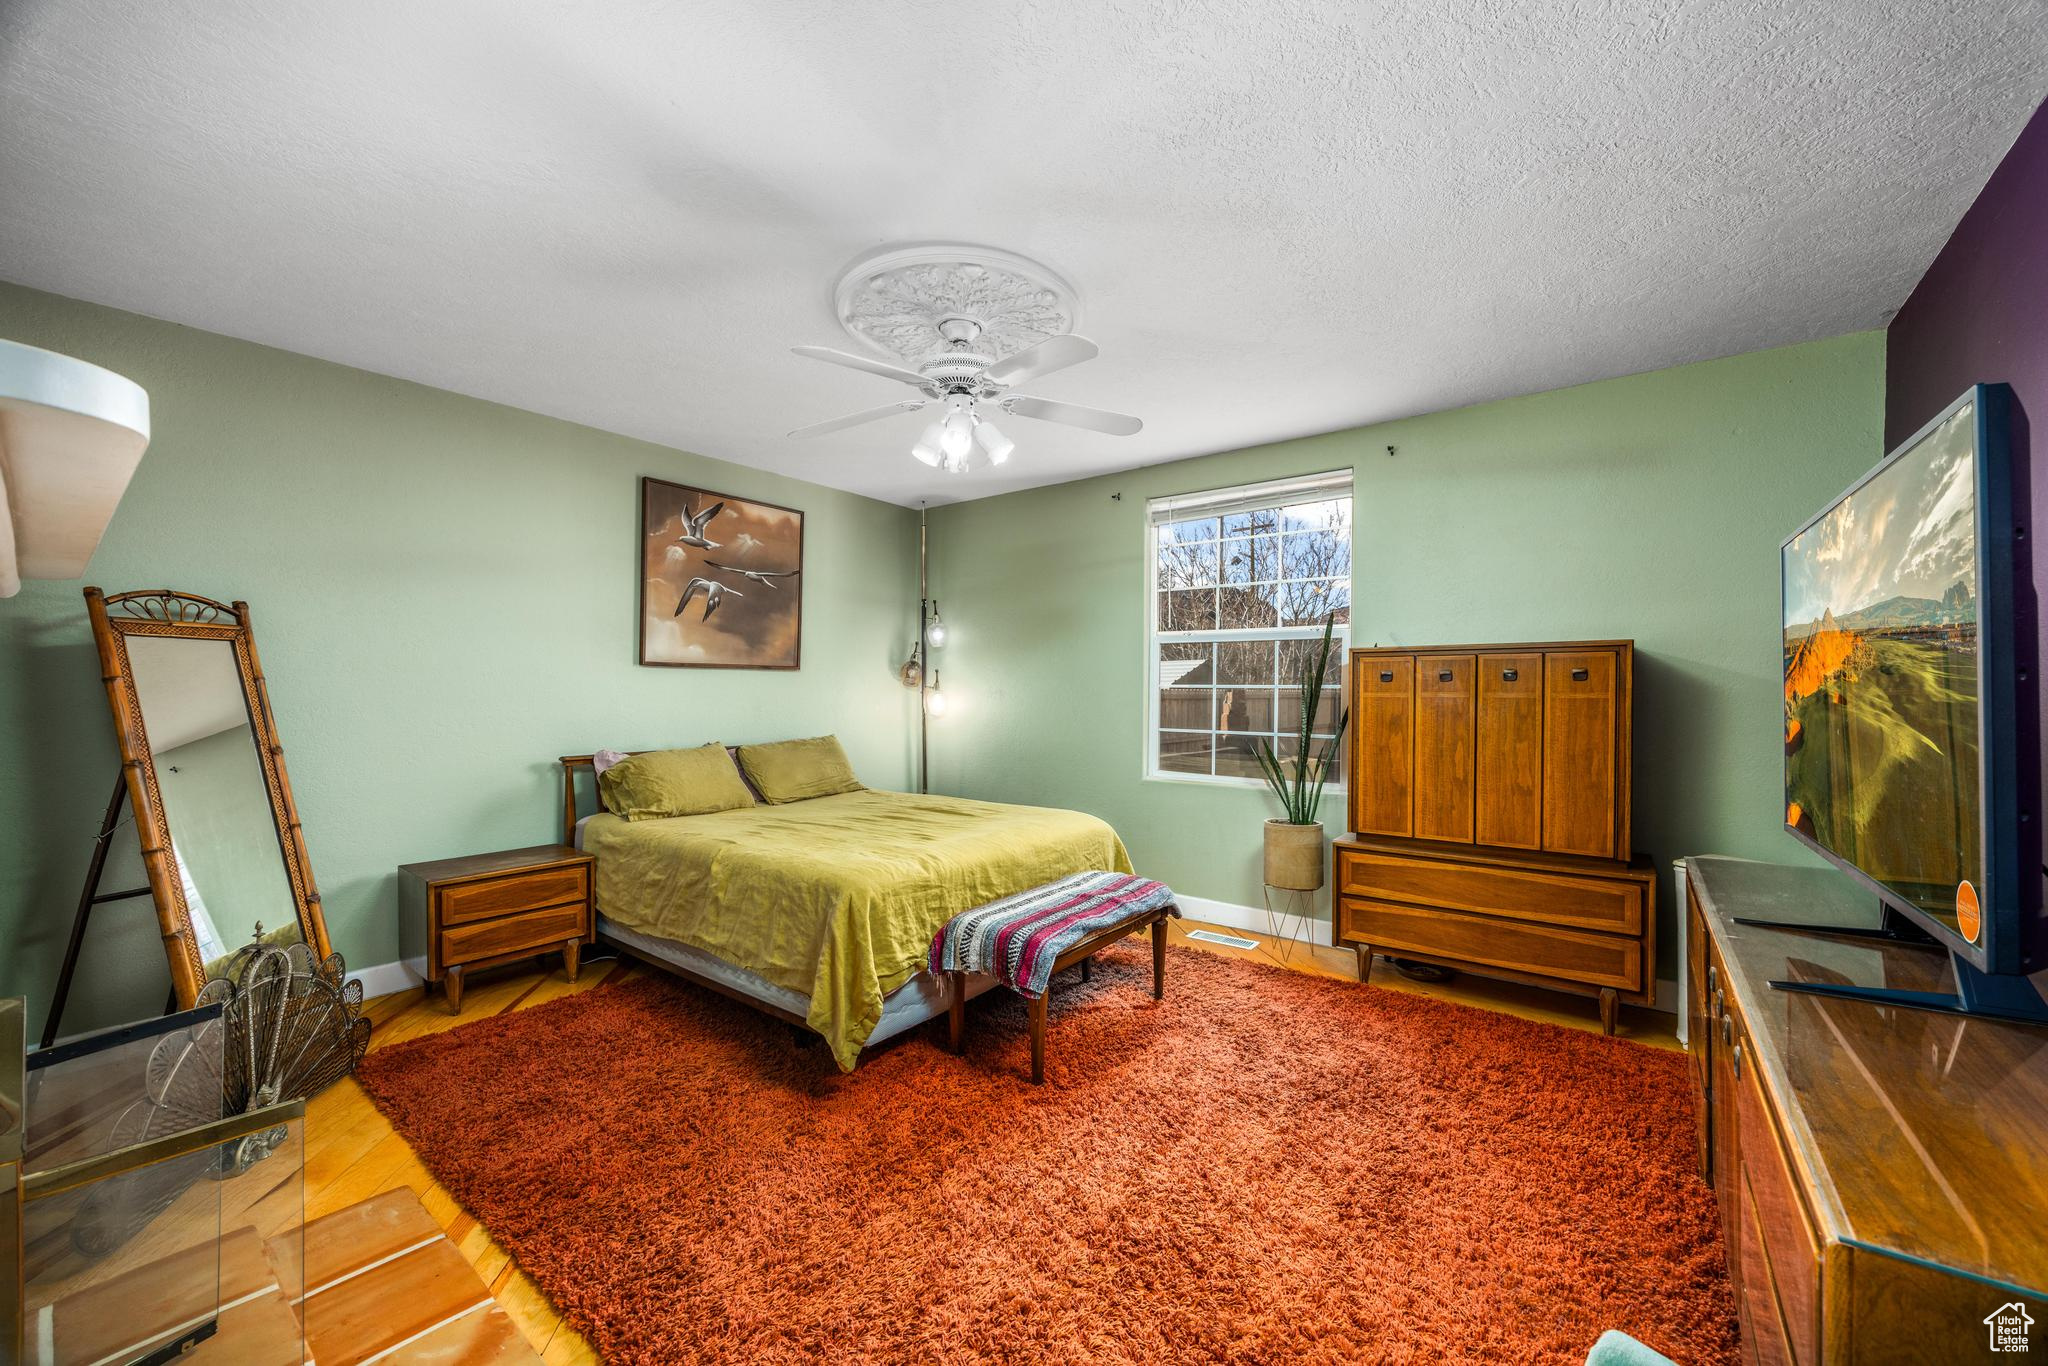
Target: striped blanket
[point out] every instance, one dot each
(1018, 937)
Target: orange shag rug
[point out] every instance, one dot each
(1265, 1167)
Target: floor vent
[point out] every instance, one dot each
(1211, 937)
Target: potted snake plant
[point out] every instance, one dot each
(1294, 843)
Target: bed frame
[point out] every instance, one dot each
(572, 764)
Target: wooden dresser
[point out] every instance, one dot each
(470, 912)
(1882, 1173)
(1490, 793)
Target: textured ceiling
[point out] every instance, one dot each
(1282, 218)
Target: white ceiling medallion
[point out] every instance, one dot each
(899, 301)
(962, 326)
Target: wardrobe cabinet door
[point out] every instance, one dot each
(1383, 745)
(1579, 754)
(1443, 747)
(1508, 799)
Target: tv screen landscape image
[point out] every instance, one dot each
(1883, 717)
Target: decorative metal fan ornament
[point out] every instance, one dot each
(289, 1027)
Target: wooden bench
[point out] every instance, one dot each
(1153, 917)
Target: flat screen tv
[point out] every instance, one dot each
(1902, 716)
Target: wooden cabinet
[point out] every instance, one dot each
(1505, 746)
(1532, 918)
(1383, 745)
(462, 913)
(1490, 817)
(1877, 1170)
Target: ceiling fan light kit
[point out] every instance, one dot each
(963, 326)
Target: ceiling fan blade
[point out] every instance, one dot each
(1054, 353)
(1074, 415)
(873, 367)
(840, 424)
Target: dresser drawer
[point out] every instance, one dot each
(538, 930)
(467, 901)
(1590, 903)
(1597, 960)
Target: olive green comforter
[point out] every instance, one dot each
(836, 897)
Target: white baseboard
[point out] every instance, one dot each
(388, 979)
(1315, 929)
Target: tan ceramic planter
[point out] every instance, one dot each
(1294, 856)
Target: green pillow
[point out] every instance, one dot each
(793, 770)
(673, 782)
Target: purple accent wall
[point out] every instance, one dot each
(1980, 314)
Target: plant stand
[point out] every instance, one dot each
(1289, 913)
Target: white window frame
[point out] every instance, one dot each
(1312, 488)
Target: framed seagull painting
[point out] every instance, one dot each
(721, 580)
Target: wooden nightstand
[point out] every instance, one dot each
(462, 913)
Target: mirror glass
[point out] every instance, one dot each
(224, 837)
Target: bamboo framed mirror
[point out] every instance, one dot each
(204, 774)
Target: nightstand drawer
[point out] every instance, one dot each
(539, 931)
(467, 901)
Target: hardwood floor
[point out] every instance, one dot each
(352, 1152)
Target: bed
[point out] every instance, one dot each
(822, 911)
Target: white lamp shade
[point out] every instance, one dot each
(71, 435)
(993, 443)
(928, 448)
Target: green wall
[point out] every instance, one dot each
(444, 593)
(1649, 508)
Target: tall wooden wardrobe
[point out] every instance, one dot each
(1489, 804)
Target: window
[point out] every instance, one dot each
(1242, 581)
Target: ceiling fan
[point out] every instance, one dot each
(972, 387)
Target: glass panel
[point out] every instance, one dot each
(1245, 661)
(1297, 655)
(1290, 711)
(1191, 609)
(1247, 523)
(1186, 708)
(1188, 663)
(1250, 560)
(1185, 751)
(1306, 603)
(1290, 746)
(1235, 757)
(1181, 533)
(1333, 514)
(1187, 565)
(1245, 709)
(224, 837)
(1248, 608)
(1316, 555)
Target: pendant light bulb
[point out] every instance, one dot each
(929, 446)
(934, 700)
(958, 435)
(993, 443)
(935, 633)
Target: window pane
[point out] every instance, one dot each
(1187, 566)
(1186, 708)
(1242, 608)
(1248, 523)
(1245, 709)
(1333, 514)
(1306, 603)
(1249, 560)
(1290, 746)
(1235, 757)
(1189, 609)
(1297, 655)
(1290, 711)
(1199, 529)
(1245, 661)
(1316, 555)
(1182, 752)
(1186, 663)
